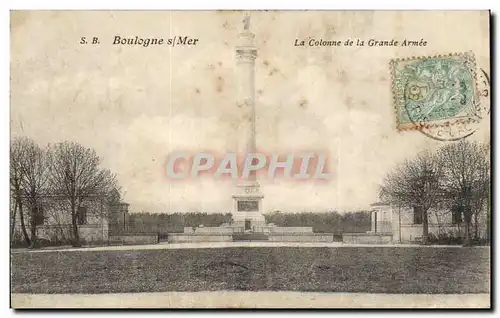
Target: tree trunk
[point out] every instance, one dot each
(425, 227)
(74, 225)
(33, 226)
(467, 233)
(488, 219)
(23, 225)
(476, 229)
(13, 220)
(468, 221)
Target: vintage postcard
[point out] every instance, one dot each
(250, 159)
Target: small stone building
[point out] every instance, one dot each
(404, 225)
(97, 219)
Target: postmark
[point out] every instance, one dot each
(439, 95)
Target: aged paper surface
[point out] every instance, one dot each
(125, 124)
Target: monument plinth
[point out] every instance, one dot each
(247, 200)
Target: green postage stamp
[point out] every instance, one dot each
(434, 91)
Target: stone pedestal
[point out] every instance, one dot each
(247, 207)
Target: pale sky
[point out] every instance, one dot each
(135, 105)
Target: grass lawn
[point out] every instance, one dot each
(321, 269)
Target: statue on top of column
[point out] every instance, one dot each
(246, 22)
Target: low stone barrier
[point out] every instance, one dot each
(212, 230)
(367, 238)
(263, 229)
(292, 230)
(133, 239)
(199, 237)
(301, 237)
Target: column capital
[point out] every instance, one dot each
(246, 54)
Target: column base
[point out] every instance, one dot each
(247, 207)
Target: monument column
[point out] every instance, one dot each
(247, 202)
(246, 53)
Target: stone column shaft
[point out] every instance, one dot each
(246, 54)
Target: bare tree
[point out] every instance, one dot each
(76, 176)
(481, 189)
(17, 153)
(466, 179)
(34, 183)
(415, 184)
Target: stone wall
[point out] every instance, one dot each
(297, 229)
(93, 233)
(263, 229)
(134, 239)
(213, 230)
(205, 237)
(413, 232)
(301, 237)
(366, 238)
